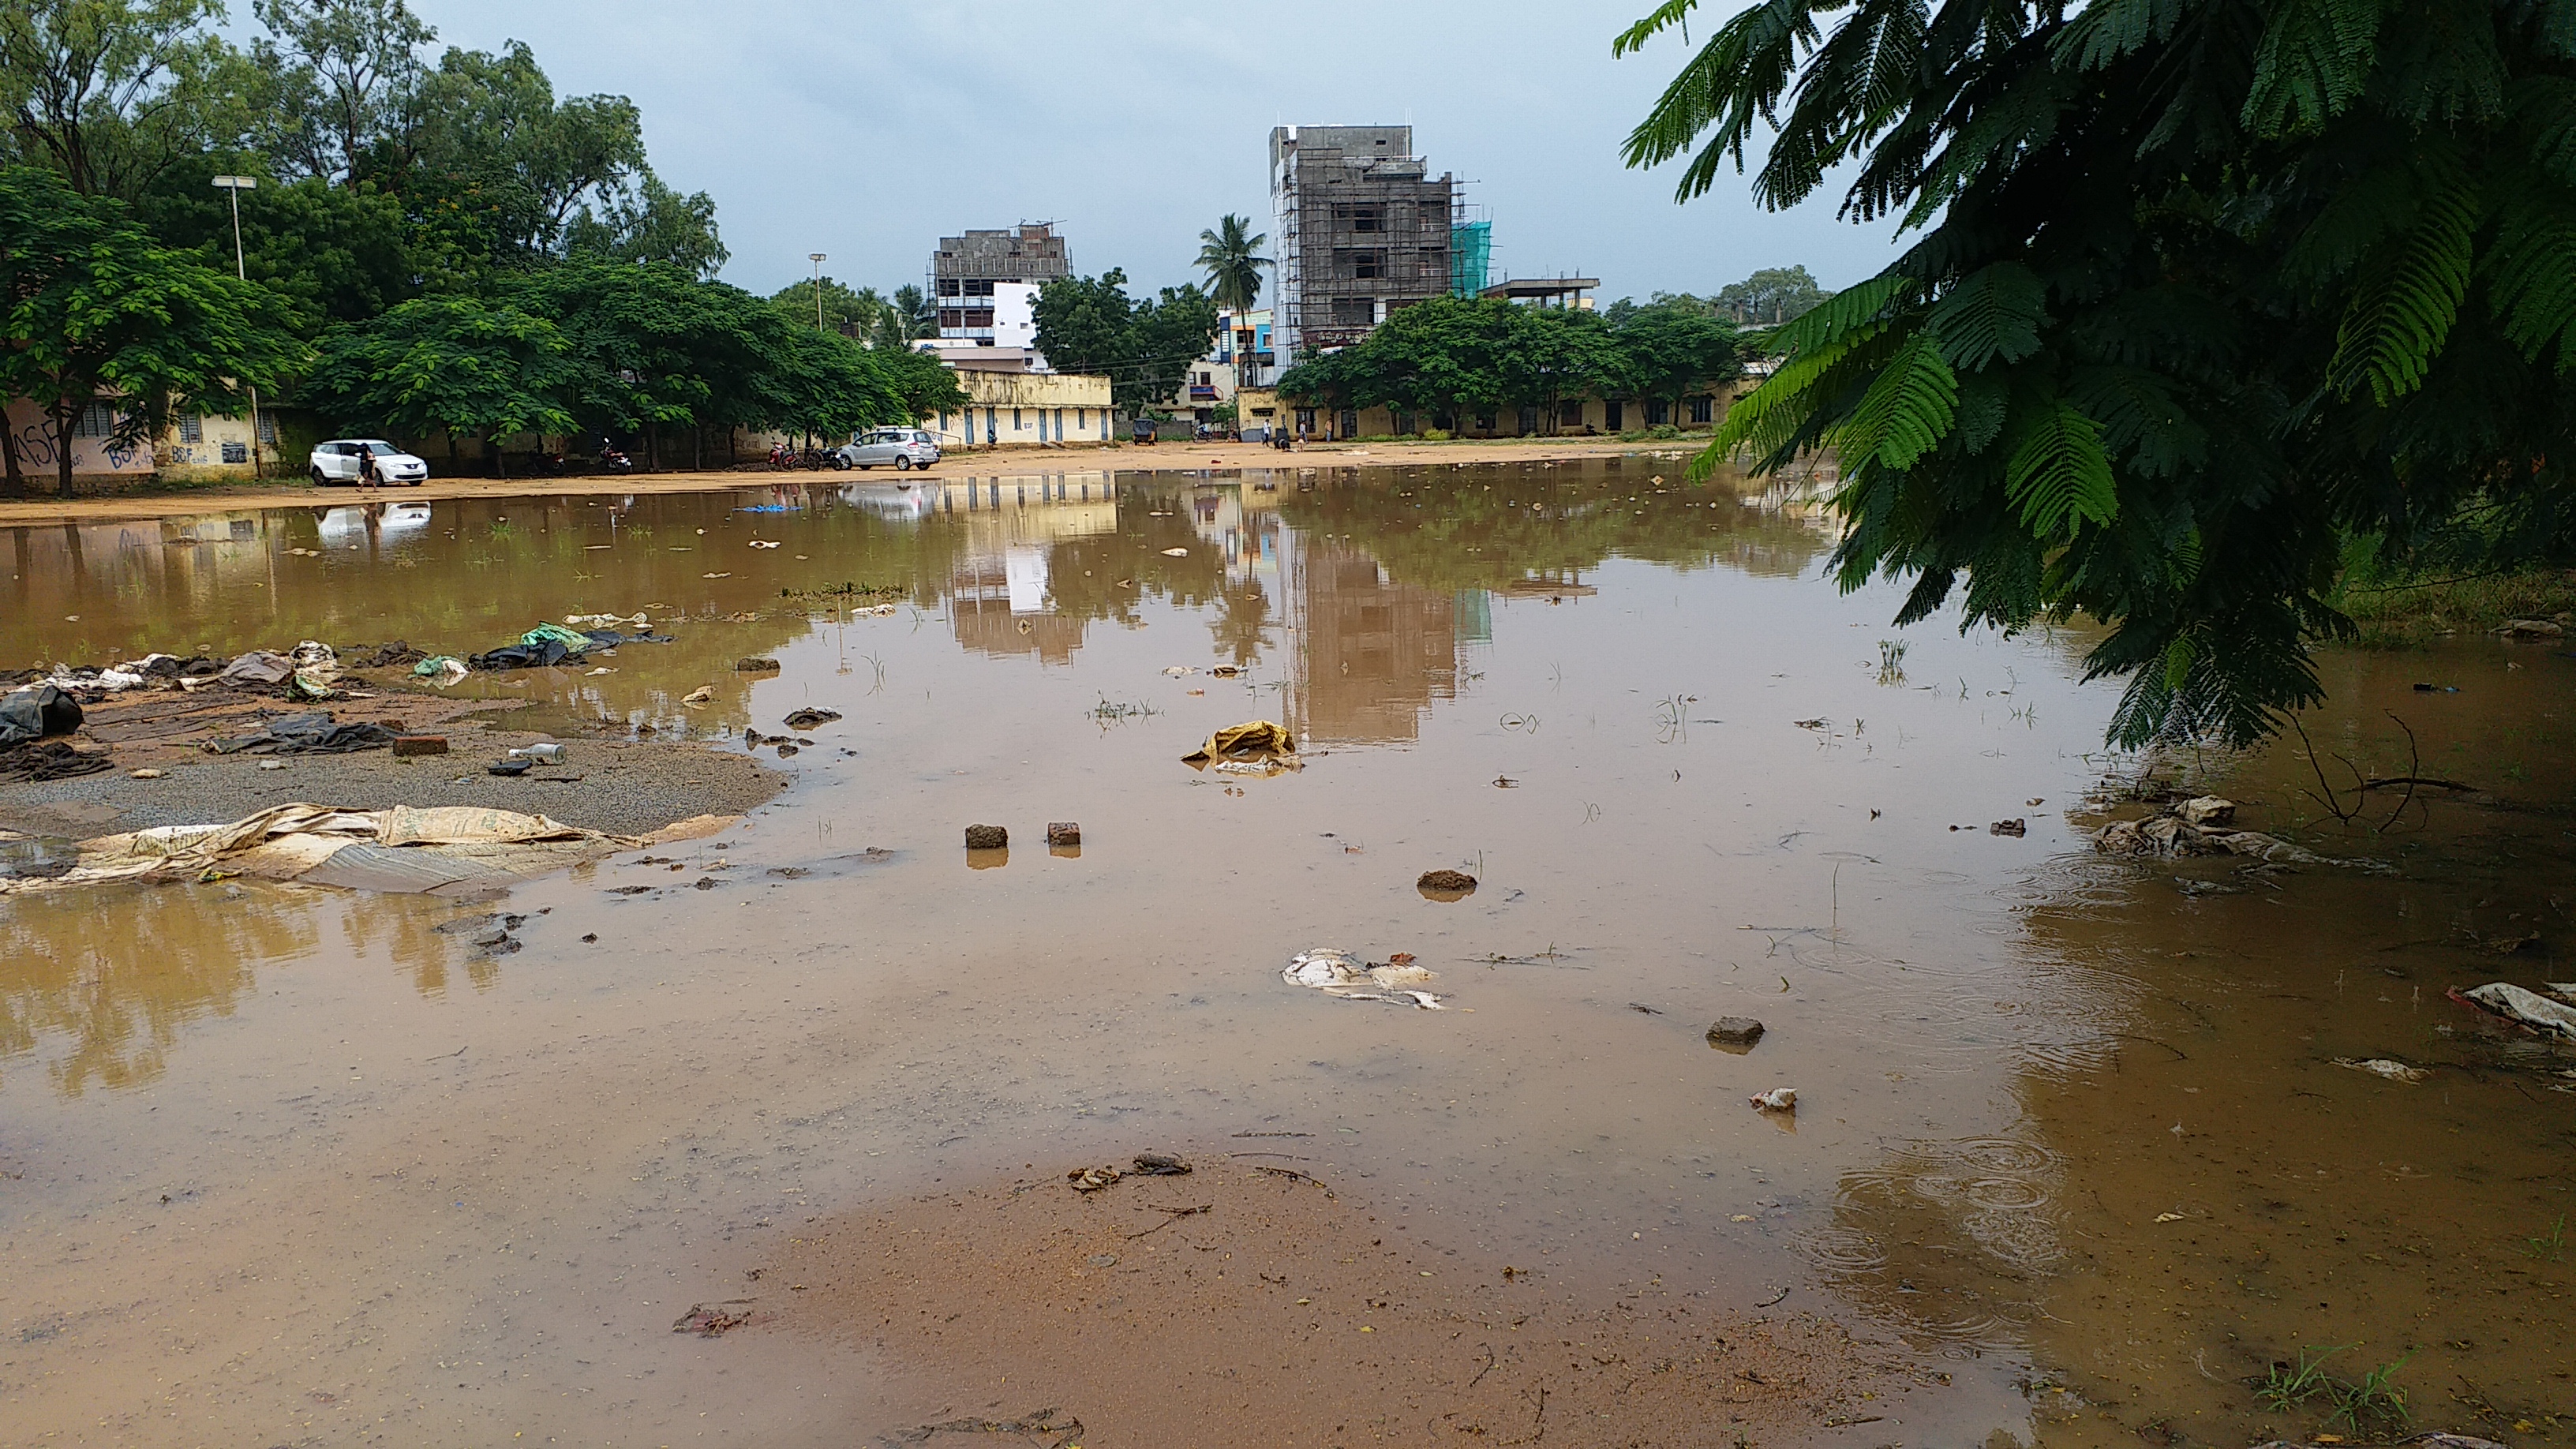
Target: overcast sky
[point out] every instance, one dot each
(869, 130)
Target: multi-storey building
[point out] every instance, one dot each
(986, 283)
(1363, 230)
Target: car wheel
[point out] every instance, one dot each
(840, 464)
(903, 462)
(320, 480)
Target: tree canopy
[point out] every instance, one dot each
(1476, 355)
(96, 307)
(2199, 290)
(1231, 256)
(1144, 348)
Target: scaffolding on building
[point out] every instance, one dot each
(1471, 256)
(1363, 231)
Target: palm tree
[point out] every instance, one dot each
(1229, 256)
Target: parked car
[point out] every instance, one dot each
(904, 448)
(337, 462)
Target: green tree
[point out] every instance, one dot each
(100, 312)
(651, 223)
(445, 364)
(110, 93)
(851, 313)
(1467, 356)
(1771, 296)
(1091, 325)
(1671, 348)
(916, 313)
(341, 74)
(2203, 287)
(330, 253)
(1231, 257)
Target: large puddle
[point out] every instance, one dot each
(293, 1165)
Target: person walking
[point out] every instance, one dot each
(366, 466)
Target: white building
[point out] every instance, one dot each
(986, 283)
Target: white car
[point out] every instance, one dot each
(905, 448)
(337, 462)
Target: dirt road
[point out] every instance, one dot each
(150, 501)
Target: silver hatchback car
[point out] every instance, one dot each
(901, 448)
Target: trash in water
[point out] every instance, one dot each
(544, 754)
(2207, 810)
(1446, 885)
(703, 694)
(1177, 670)
(144, 775)
(509, 767)
(1735, 1033)
(2009, 827)
(1176, 553)
(2437, 689)
(602, 621)
(806, 719)
(2532, 629)
(707, 1322)
(1778, 1099)
(1093, 1179)
(762, 543)
(258, 667)
(1268, 748)
(1338, 973)
(1159, 1164)
(2527, 1009)
(2383, 1067)
(38, 761)
(440, 669)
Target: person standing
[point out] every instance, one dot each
(366, 466)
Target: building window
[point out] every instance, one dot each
(1657, 412)
(1529, 421)
(978, 317)
(1015, 420)
(1484, 422)
(268, 429)
(98, 420)
(1354, 311)
(1365, 263)
(192, 428)
(1569, 414)
(978, 287)
(951, 319)
(1361, 217)
(948, 286)
(1350, 421)
(1613, 415)
(1701, 409)
(1404, 425)
(1305, 420)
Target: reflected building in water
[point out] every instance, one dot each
(1001, 585)
(1373, 654)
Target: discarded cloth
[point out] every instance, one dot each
(37, 711)
(1259, 743)
(2523, 1008)
(382, 656)
(34, 762)
(310, 733)
(543, 654)
(2172, 836)
(256, 669)
(1338, 973)
(402, 849)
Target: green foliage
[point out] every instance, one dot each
(111, 93)
(1231, 257)
(96, 308)
(1475, 355)
(2214, 284)
(452, 364)
(1090, 325)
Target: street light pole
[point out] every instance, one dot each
(817, 258)
(233, 187)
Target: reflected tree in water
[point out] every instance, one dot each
(118, 972)
(1242, 627)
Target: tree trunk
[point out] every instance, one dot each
(652, 448)
(9, 444)
(698, 448)
(492, 445)
(61, 413)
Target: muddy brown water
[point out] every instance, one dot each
(284, 1165)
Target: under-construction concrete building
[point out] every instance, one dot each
(1362, 230)
(987, 282)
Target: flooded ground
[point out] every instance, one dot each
(299, 1166)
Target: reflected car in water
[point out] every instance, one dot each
(346, 524)
(900, 448)
(337, 462)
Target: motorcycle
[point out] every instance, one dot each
(612, 460)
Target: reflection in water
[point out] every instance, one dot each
(117, 973)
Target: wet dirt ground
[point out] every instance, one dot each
(2071, 1156)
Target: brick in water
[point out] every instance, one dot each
(1064, 832)
(407, 746)
(987, 837)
